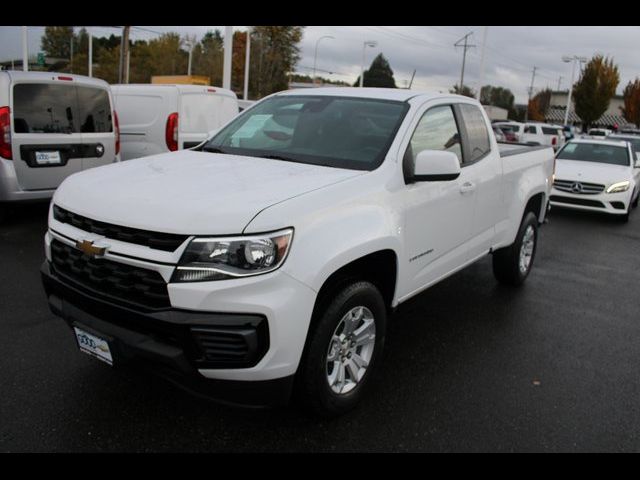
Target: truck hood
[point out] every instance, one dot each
(187, 192)
(591, 172)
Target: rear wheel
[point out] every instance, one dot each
(343, 350)
(512, 264)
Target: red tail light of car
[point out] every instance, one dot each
(171, 132)
(117, 130)
(5, 133)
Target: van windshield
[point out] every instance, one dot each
(60, 108)
(341, 132)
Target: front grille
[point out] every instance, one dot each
(583, 188)
(118, 281)
(231, 346)
(157, 240)
(576, 201)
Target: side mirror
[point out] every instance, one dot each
(436, 166)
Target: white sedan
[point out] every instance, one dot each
(597, 175)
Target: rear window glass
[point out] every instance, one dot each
(58, 108)
(550, 131)
(591, 152)
(477, 133)
(203, 113)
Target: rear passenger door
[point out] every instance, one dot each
(483, 167)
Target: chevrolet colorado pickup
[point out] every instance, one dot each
(264, 263)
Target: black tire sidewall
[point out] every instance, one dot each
(316, 390)
(529, 220)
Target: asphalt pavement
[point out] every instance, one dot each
(470, 365)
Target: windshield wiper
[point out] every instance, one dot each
(278, 157)
(213, 150)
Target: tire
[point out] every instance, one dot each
(506, 261)
(634, 204)
(317, 371)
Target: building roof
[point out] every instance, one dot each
(556, 114)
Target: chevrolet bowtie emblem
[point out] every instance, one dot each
(88, 248)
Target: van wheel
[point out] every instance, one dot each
(343, 350)
(512, 264)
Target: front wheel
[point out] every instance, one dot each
(343, 350)
(512, 264)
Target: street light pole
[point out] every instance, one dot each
(573, 59)
(228, 49)
(25, 50)
(315, 57)
(367, 43)
(246, 65)
(190, 45)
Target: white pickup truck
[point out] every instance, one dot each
(267, 262)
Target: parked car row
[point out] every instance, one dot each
(252, 256)
(533, 133)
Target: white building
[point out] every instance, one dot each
(558, 104)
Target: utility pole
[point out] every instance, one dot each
(533, 77)
(71, 52)
(25, 50)
(411, 82)
(465, 47)
(226, 66)
(246, 65)
(124, 54)
(481, 74)
(559, 81)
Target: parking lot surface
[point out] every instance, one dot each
(470, 365)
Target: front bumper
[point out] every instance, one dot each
(166, 342)
(611, 203)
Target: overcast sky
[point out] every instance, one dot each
(510, 55)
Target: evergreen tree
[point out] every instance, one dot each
(378, 75)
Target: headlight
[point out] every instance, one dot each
(618, 187)
(221, 258)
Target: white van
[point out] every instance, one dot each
(159, 118)
(52, 125)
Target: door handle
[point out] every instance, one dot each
(467, 187)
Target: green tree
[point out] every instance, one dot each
(378, 75)
(498, 97)
(595, 88)
(631, 108)
(274, 53)
(56, 42)
(466, 91)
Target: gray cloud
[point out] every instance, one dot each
(509, 58)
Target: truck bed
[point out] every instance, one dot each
(508, 149)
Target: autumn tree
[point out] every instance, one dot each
(631, 108)
(539, 105)
(595, 88)
(466, 91)
(378, 75)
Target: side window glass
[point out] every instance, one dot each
(477, 132)
(530, 129)
(436, 130)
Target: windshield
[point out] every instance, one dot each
(340, 132)
(591, 152)
(634, 141)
